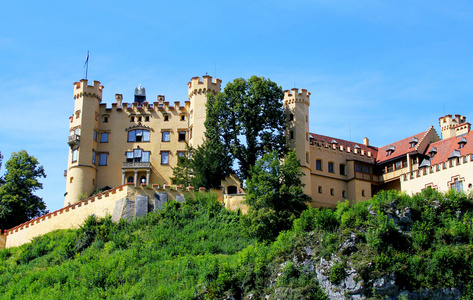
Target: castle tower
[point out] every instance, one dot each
(81, 166)
(198, 90)
(448, 125)
(296, 106)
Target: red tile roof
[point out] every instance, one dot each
(446, 147)
(344, 143)
(402, 147)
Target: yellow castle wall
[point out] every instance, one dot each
(441, 179)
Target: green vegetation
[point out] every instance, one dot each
(274, 195)
(247, 121)
(199, 250)
(18, 204)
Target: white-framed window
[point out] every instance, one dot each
(137, 155)
(165, 158)
(138, 135)
(104, 137)
(166, 136)
(74, 155)
(103, 159)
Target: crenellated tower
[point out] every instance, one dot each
(451, 126)
(198, 90)
(296, 106)
(81, 167)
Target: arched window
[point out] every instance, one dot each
(129, 179)
(143, 179)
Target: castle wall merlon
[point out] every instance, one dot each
(82, 89)
(206, 85)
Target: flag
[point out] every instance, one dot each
(86, 59)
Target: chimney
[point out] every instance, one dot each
(119, 98)
(366, 141)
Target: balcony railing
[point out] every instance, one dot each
(73, 140)
(136, 165)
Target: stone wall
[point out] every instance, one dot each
(125, 201)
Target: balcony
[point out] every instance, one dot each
(73, 140)
(136, 165)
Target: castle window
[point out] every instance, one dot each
(165, 158)
(181, 153)
(95, 135)
(465, 159)
(457, 185)
(344, 194)
(291, 117)
(306, 118)
(318, 165)
(398, 165)
(291, 135)
(137, 155)
(138, 135)
(143, 179)
(342, 170)
(363, 193)
(139, 119)
(320, 189)
(74, 155)
(70, 179)
(330, 167)
(104, 137)
(183, 117)
(166, 117)
(94, 155)
(147, 119)
(166, 136)
(332, 192)
(182, 136)
(132, 119)
(103, 159)
(130, 179)
(306, 136)
(105, 119)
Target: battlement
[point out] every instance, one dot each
(294, 96)
(207, 84)
(453, 126)
(83, 89)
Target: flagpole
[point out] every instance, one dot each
(86, 65)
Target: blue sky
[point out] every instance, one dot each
(381, 69)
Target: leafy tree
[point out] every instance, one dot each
(274, 195)
(206, 166)
(247, 119)
(17, 202)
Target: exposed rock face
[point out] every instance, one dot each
(354, 288)
(127, 208)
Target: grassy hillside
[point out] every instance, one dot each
(199, 250)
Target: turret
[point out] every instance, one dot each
(198, 90)
(453, 126)
(296, 106)
(81, 169)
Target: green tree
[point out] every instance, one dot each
(274, 195)
(17, 202)
(205, 166)
(247, 119)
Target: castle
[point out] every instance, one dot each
(128, 151)
(140, 142)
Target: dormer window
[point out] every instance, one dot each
(334, 142)
(414, 142)
(432, 151)
(390, 150)
(462, 142)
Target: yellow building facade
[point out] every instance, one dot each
(139, 142)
